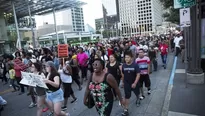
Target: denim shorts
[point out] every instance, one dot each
(55, 97)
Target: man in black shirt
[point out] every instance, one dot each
(131, 76)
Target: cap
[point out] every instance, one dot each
(82, 47)
(50, 63)
(74, 56)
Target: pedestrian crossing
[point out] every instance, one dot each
(180, 71)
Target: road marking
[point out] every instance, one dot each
(173, 71)
(180, 71)
(179, 114)
(6, 91)
(165, 108)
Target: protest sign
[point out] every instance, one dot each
(33, 80)
(62, 50)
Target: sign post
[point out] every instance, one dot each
(184, 3)
(185, 20)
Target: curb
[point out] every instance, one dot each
(165, 108)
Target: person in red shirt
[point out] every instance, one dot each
(109, 50)
(163, 48)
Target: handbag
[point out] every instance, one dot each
(90, 101)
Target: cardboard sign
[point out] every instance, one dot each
(19, 64)
(63, 50)
(33, 80)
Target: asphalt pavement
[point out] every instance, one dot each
(150, 106)
(186, 99)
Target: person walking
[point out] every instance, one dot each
(144, 66)
(12, 78)
(65, 72)
(39, 91)
(82, 59)
(100, 87)
(164, 52)
(114, 68)
(130, 77)
(54, 94)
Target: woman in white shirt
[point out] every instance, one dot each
(65, 72)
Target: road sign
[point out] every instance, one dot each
(183, 3)
(185, 17)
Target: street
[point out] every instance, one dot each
(150, 106)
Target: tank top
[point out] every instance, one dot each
(65, 78)
(50, 87)
(114, 70)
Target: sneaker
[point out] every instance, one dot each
(50, 114)
(149, 92)
(4, 102)
(13, 91)
(138, 102)
(45, 109)
(80, 88)
(76, 99)
(67, 114)
(142, 97)
(64, 108)
(32, 105)
(21, 93)
(125, 113)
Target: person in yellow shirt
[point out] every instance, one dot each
(12, 78)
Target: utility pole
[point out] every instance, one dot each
(31, 25)
(195, 74)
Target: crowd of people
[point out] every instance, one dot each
(125, 63)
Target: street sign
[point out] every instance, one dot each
(185, 20)
(183, 3)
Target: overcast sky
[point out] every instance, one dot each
(92, 10)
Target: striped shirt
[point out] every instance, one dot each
(143, 64)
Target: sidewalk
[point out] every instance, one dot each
(186, 99)
(150, 106)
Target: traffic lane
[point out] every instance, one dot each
(18, 104)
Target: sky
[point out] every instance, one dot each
(92, 10)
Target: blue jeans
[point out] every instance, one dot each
(164, 59)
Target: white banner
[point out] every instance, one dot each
(33, 80)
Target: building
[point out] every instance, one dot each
(110, 15)
(99, 24)
(70, 20)
(78, 19)
(12, 15)
(139, 16)
(89, 28)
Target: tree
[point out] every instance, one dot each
(98, 32)
(26, 38)
(172, 14)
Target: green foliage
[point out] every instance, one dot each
(173, 14)
(167, 3)
(26, 39)
(98, 32)
(12, 36)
